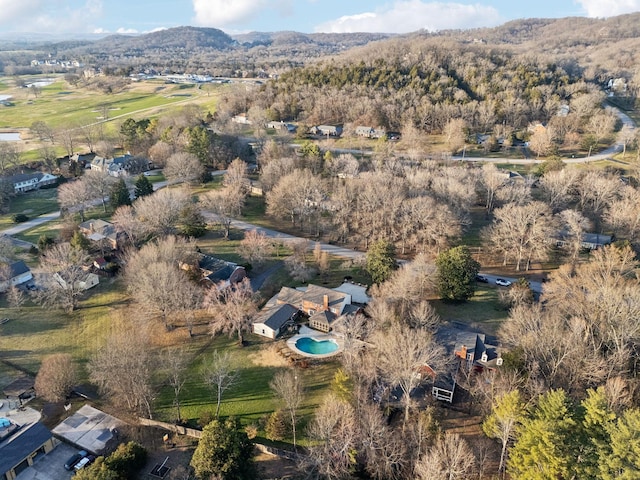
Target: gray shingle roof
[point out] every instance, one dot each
(21, 445)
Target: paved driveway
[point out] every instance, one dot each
(50, 466)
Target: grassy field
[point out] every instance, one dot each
(250, 399)
(482, 311)
(35, 332)
(31, 204)
(60, 105)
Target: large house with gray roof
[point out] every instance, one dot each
(324, 306)
(20, 449)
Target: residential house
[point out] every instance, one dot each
(85, 282)
(120, 166)
(101, 231)
(474, 349)
(22, 448)
(241, 119)
(282, 126)
(17, 274)
(370, 132)
(272, 321)
(470, 351)
(589, 241)
(83, 159)
(594, 241)
(220, 272)
(327, 130)
(25, 182)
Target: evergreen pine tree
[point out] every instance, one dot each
(119, 194)
(143, 187)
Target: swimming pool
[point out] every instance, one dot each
(312, 346)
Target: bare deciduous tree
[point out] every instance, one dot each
(75, 197)
(157, 281)
(287, 386)
(333, 434)
(176, 362)
(225, 204)
(99, 184)
(557, 187)
(64, 274)
(127, 222)
(574, 225)
(160, 212)
(543, 141)
(491, 180)
(402, 351)
(255, 247)
(450, 458)
(122, 369)
(455, 134)
(16, 297)
(623, 215)
(9, 156)
(232, 308)
(521, 232)
(236, 176)
(183, 167)
(56, 377)
(220, 375)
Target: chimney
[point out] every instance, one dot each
(326, 302)
(92, 227)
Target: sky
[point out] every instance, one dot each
(75, 17)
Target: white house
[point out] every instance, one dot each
(270, 322)
(86, 282)
(17, 273)
(26, 182)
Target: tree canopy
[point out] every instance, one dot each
(457, 272)
(224, 450)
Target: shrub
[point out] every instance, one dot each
(276, 428)
(19, 218)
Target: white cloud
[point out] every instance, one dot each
(410, 15)
(46, 16)
(16, 11)
(222, 13)
(609, 8)
(126, 30)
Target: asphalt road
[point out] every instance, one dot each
(535, 286)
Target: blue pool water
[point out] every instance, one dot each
(315, 347)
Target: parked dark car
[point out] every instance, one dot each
(75, 458)
(482, 279)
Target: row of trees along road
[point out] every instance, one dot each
(427, 208)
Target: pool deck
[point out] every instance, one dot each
(318, 336)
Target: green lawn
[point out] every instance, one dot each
(250, 399)
(35, 332)
(482, 311)
(32, 204)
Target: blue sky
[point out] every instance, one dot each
(236, 16)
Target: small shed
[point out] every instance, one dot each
(20, 388)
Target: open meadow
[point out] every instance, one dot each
(63, 106)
